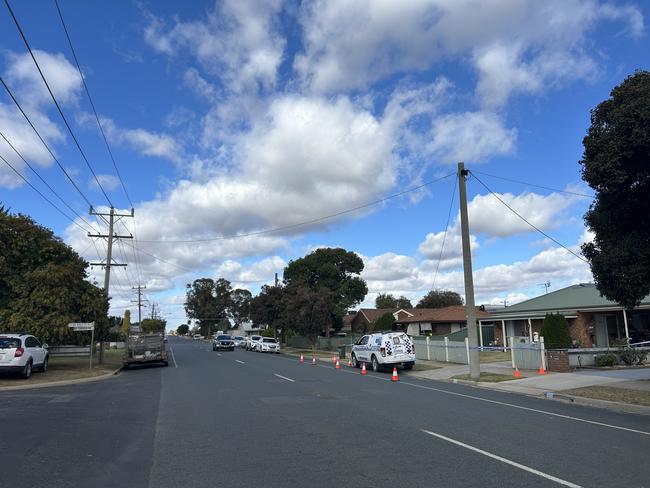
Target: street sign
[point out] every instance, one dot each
(82, 326)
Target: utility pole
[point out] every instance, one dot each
(138, 290)
(276, 280)
(108, 264)
(474, 361)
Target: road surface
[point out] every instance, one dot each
(243, 419)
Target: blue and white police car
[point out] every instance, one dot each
(384, 349)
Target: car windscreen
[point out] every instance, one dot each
(256, 338)
(268, 339)
(9, 342)
(239, 338)
(224, 338)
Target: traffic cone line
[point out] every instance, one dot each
(394, 377)
(363, 368)
(517, 374)
(338, 365)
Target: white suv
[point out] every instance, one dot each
(22, 353)
(384, 348)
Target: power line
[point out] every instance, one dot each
(83, 80)
(65, 120)
(44, 143)
(533, 184)
(43, 180)
(308, 222)
(530, 224)
(444, 237)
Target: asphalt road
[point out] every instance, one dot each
(242, 419)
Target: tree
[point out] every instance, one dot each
(240, 305)
(43, 285)
(616, 164)
(126, 323)
(266, 308)
(385, 322)
(153, 325)
(555, 331)
(440, 299)
(208, 301)
(307, 311)
(333, 270)
(183, 329)
(386, 301)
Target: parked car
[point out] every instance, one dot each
(197, 337)
(268, 344)
(384, 349)
(22, 354)
(223, 342)
(252, 341)
(239, 341)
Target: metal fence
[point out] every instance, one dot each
(527, 355)
(441, 350)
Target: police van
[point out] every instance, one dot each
(384, 349)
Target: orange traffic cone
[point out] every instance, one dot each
(338, 365)
(302, 358)
(333, 359)
(350, 362)
(542, 370)
(395, 377)
(363, 368)
(313, 361)
(517, 374)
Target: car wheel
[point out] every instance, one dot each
(408, 366)
(44, 365)
(375, 363)
(27, 371)
(355, 363)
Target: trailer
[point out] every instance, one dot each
(145, 348)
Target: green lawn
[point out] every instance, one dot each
(69, 368)
(625, 395)
(486, 377)
(494, 356)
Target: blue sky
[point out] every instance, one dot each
(236, 117)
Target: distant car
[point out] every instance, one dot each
(384, 348)
(251, 342)
(223, 342)
(239, 341)
(197, 337)
(22, 354)
(268, 344)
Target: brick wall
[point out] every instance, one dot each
(558, 361)
(498, 333)
(583, 330)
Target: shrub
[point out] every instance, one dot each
(603, 360)
(268, 332)
(555, 330)
(631, 356)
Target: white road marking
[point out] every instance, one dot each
(496, 402)
(240, 362)
(545, 412)
(504, 460)
(219, 354)
(284, 378)
(173, 357)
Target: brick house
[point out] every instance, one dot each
(437, 321)
(593, 320)
(365, 319)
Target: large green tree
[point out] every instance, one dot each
(306, 311)
(440, 299)
(44, 286)
(266, 308)
(386, 300)
(153, 325)
(183, 329)
(616, 164)
(240, 305)
(333, 270)
(208, 302)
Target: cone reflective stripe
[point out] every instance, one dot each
(338, 365)
(333, 359)
(302, 358)
(395, 377)
(313, 361)
(363, 368)
(350, 362)
(542, 370)
(517, 373)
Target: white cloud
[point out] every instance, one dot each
(389, 267)
(452, 252)
(108, 182)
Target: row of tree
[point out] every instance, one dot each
(433, 299)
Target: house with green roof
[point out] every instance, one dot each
(594, 321)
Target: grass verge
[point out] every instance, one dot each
(68, 368)
(485, 377)
(613, 394)
(494, 356)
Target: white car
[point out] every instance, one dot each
(22, 353)
(197, 337)
(239, 341)
(268, 344)
(251, 342)
(384, 349)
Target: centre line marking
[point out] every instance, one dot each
(173, 357)
(284, 378)
(240, 362)
(504, 460)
